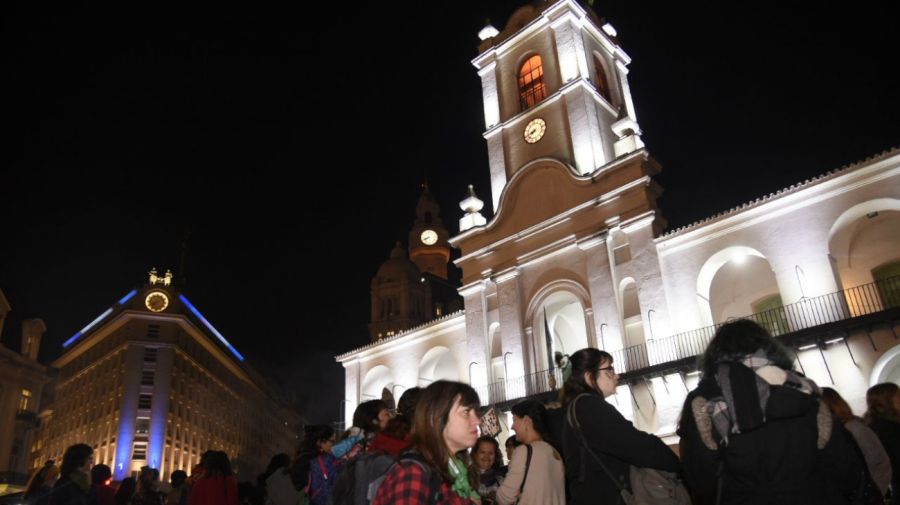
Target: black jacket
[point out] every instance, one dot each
(889, 434)
(779, 462)
(66, 492)
(617, 442)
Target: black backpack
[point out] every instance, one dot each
(360, 478)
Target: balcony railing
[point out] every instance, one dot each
(806, 313)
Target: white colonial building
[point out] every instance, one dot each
(575, 248)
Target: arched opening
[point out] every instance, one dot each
(437, 364)
(378, 384)
(602, 82)
(560, 327)
(746, 285)
(736, 282)
(634, 352)
(498, 366)
(887, 368)
(531, 82)
(864, 244)
(498, 371)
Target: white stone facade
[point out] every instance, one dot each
(576, 238)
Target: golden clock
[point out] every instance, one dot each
(429, 237)
(534, 130)
(156, 301)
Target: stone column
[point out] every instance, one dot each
(159, 408)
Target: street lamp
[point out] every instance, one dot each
(650, 323)
(602, 341)
(505, 367)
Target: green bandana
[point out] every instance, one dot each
(461, 484)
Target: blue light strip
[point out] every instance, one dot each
(84, 330)
(75, 337)
(102, 316)
(209, 326)
(127, 297)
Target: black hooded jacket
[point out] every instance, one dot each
(799, 455)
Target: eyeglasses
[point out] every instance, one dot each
(609, 368)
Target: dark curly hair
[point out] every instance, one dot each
(739, 338)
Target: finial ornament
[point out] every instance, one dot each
(472, 206)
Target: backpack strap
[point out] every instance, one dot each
(572, 420)
(527, 466)
(434, 478)
(309, 481)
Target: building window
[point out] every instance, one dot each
(602, 82)
(142, 426)
(25, 400)
(153, 331)
(531, 82)
(150, 354)
(144, 401)
(147, 378)
(140, 452)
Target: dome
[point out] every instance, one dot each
(398, 267)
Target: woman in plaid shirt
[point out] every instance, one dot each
(445, 423)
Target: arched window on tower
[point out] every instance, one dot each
(531, 82)
(602, 82)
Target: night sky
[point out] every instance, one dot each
(286, 146)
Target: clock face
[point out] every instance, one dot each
(156, 301)
(429, 237)
(534, 130)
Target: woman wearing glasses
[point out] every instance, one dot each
(599, 443)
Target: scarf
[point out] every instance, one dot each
(461, 485)
(745, 383)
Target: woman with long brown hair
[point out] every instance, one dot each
(883, 417)
(445, 423)
(877, 461)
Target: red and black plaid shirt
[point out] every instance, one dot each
(407, 484)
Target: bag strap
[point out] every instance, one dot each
(322, 467)
(434, 478)
(309, 481)
(527, 466)
(572, 419)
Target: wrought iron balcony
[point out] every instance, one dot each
(656, 356)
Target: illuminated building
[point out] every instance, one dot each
(151, 382)
(410, 290)
(22, 381)
(575, 248)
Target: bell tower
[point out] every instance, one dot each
(555, 84)
(428, 246)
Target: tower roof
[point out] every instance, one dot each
(156, 297)
(398, 267)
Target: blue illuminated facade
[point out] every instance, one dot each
(165, 388)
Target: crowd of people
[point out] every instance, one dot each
(753, 431)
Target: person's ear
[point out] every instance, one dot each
(589, 379)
